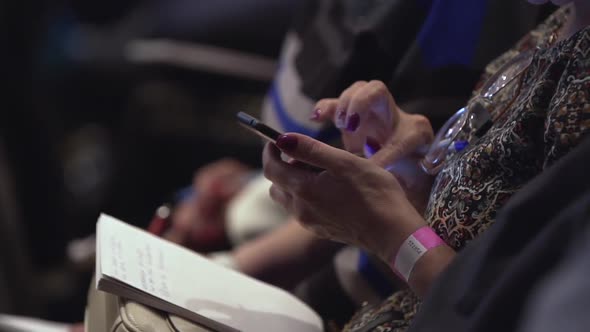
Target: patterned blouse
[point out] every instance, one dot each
(538, 117)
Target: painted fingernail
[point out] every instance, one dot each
(353, 122)
(316, 114)
(287, 143)
(371, 146)
(340, 119)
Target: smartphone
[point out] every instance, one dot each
(256, 126)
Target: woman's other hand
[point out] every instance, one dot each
(372, 123)
(198, 221)
(216, 184)
(352, 200)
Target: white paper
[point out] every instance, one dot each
(193, 282)
(9, 323)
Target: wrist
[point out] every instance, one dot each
(414, 247)
(420, 258)
(397, 234)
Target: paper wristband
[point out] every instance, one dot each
(412, 249)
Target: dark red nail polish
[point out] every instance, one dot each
(372, 145)
(316, 114)
(353, 122)
(287, 143)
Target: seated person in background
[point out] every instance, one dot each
(530, 111)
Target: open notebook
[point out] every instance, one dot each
(144, 268)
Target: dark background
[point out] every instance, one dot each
(84, 130)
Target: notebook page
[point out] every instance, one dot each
(191, 281)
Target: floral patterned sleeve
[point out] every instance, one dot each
(568, 120)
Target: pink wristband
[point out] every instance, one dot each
(412, 249)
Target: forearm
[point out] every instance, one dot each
(284, 256)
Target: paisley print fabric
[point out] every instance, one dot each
(538, 118)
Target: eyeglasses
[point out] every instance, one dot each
(473, 120)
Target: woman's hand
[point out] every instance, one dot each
(352, 200)
(372, 123)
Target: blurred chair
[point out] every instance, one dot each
(16, 288)
(25, 287)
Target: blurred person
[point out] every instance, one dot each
(530, 111)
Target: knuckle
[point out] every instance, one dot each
(327, 106)
(396, 151)
(319, 232)
(423, 126)
(273, 191)
(421, 121)
(378, 87)
(362, 99)
(306, 218)
(313, 148)
(349, 166)
(358, 84)
(304, 221)
(268, 172)
(323, 102)
(300, 189)
(225, 161)
(351, 89)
